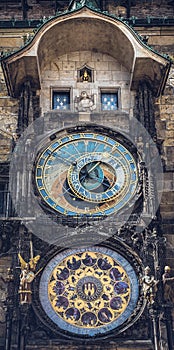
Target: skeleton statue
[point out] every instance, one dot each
(168, 285)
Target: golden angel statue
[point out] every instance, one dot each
(26, 278)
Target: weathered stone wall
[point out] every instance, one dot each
(12, 39)
(165, 130)
(91, 347)
(152, 8)
(42, 9)
(160, 38)
(36, 10)
(4, 265)
(8, 119)
(62, 73)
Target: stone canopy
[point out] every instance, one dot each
(81, 30)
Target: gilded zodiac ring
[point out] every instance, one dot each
(88, 291)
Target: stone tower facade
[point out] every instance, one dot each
(86, 179)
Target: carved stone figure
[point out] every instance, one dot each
(149, 285)
(74, 4)
(170, 80)
(140, 145)
(26, 278)
(85, 103)
(3, 296)
(168, 284)
(4, 280)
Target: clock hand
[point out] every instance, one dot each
(94, 166)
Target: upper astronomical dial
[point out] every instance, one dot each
(86, 174)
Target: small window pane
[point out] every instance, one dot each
(109, 101)
(61, 100)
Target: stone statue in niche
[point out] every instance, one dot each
(3, 297)
(168, 285)
(149, 285)
(85, 102)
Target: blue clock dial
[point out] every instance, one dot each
(86, 174)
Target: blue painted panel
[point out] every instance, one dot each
(61, 100)
(60, 209)
(39, 172)
(109, 101)
(100, 137)
(39, 182)
(134, 176)
(99, 147)
(47, 153)
(50, 201)
(41, 161)
(43, 192)
(127, 155)
(55, 145)
(65, 139)
(89, 135)
(121, 148)
(76, 136)
(81, 146)
(132, 165)
(91, 146)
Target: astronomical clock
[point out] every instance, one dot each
(85, 179)
(88, 175)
